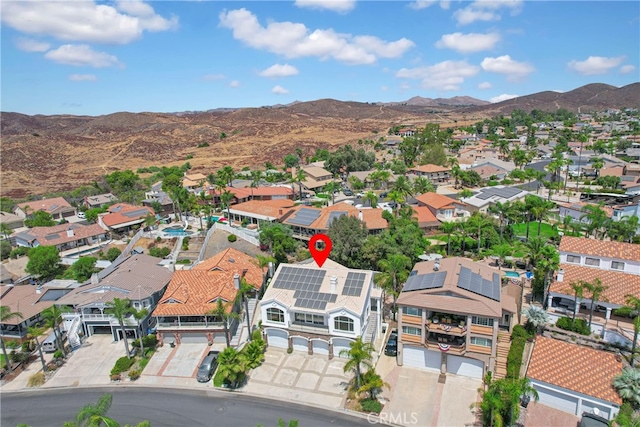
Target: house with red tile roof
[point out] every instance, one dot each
(574, 378)
(444, 208)
(435, 173)
(427, 221)
(123, 216)
(244, 194)
(57, 207)
(183, 312)
(254, 211)
(63, 236)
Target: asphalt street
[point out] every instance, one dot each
(164, 408)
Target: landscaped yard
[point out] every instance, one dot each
(546, 230)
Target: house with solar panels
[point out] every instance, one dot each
(489, 196)
(320, 310)
(450, 314)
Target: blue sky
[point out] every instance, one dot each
(91, 58)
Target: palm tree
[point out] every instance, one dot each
(35, 332)
(422, 185)
(120, 309)
(628, 386)
(534, 249)
(633, 302)
(299, 177)
(500, 405)
(52, 317)
(371, 197)
(448, 228)
(596, 289)
(372, 383)
(243, 295)
(94, 415)
(536, 317)
(403, 187)
(226, 197)
(597, 164)
(256, 176)
(359, 354)
(541, 213)
(264, 261)
(479, 221)
(397, 198)
(395, 270)
(224, 315)
(5, 229)
(7, 314)
(231, 366)
(597, 218)
(502, 251)
(139, 315)
(503, 211)
(578, 291)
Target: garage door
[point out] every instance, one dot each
(557, 400)
(600, 410)
(300, 344)
(320, 346)
(277, 338)
(100, 330)
(418, 357)
(465, 366)
(340, 344)
(193, 338)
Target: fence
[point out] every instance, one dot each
(225, 227)
(123, 256)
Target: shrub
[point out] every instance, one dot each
(58, 354)
(20, 251)
(134, 374)
(519, 337)
(290, 350)
(36, 380)
(203, 144)
(185, 244)
(371, 405)
(158, 239)
(115, 377)
(232, 238)
(624, 312)
(149, 341)
(5, 249)
(113, 253)
(122, 365)
(218, 380)
(159, 252)
(580, 326)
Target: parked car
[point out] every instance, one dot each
(593, 420)
(207, 367)
(81, 215)
(348, 192)
(383, 195)
(391, 349)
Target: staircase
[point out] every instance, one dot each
(502, 351)
(72, 333)
(237, 337)
(371, 328)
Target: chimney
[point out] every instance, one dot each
(334, 284)
(95, 279)
(236, 281)
(271, 268)
(244, 271)
(69, 232)
(280, 212)
(39, 289)
(360, 216)
(560, 276)
(436, 265)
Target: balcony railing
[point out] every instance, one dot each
(190, 325)
(448, 329)
(306, 327)
(450, 348)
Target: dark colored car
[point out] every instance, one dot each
(592, 420)
(207, 367)
(391, 349)
(348, 193)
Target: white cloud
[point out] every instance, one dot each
(341, 6)
(213, 77)
(626, 69)
(81, 56)
(279, 90)
(485, 85)
(83, 77)
(293, 40)
(423, 4)
(30, 45)
(468, 43)
(502, 97)
(486, 10)
(234, 83)
(278, 70)
(514, 70)
(595, 65)
(405, 86)
(84, 20)
(447, 75)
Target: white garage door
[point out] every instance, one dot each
(465, 366)
(340, 344)
(277, 338)
(193, 338)
(300, 344)
(557, 400)
(418, 357)
(320, 347)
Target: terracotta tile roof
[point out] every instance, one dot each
(612, 171)
(430, 168)
(194, 292)
(436, 201)
(618, 284)
(575, 367)
(608, 249)
(486, 171)
(275, 209)
(425, 217)
(122, 213)
(54, 205)
(245, 192)
(372, 217)
(25, 300)
(59, 234)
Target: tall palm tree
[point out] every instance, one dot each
(121, 308)
(359, 354)
(243, 295)
(448, 228)
(140, 315)
(422, 185)
(52, 317)
(397, 198)
(578, 292)
(595, 289)
(596, 217)
(226, 197)
(372, 198)
(224, 315)
(633, 302)
(479, 221)
(503, 211)
(256, 176)
(35, 332)
(395, 270)
(299, 177)
(402, 186)
(7, 314)
(597, 164)
(534, 249)
(541, 212)
(628, 385)
(263, 262)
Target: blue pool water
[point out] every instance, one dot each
(512, 274)
(176, 230)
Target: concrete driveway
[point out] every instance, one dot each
(177, 366)
(299, 377)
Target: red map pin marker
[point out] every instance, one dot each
(320, 253)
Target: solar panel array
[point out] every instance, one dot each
(425, 281)
(310, 303)
(135, 213)
(304, 216)
(314, 300)
(335, 215)
(505, 192)
(299, 279)
(354, 283)
(474, 282)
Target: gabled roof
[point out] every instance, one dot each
(437, 201)
(246, 192)
(579, 206)
(269, 209)
(574, 367)
(608, 249)
(320, 219)
(59, 234)
(431, 168)
(425, 217)
(315, 171)
(51, 206)
(122, 213)
(101, 199)
(25, 299)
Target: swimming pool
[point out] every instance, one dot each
(176, 231)
(512, 274)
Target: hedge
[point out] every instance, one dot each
(122, 365)
(371, 405)
(148, 341)
(232, 238)
(519, 337)
(580, 326)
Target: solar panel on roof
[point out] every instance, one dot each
(304, 216)
(309, 303)
(425, 281)
(474, 282)
(136, 213)
(353, 284)
(294, 278)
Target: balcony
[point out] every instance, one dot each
(185, 326)
(450, 344)
(448, 329)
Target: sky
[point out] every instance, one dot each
(86, 57)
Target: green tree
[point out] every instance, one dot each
(500, 405)
(448, 228)
(263, 263)
(121, 309)
(479, 221)
(5, 229)
(372, 198)
(139, 315)
(5, 315)
(578, 293)
(113, 253)
(52, 318)
(372, 383)
(83, 268)
(597, 164)
(596, 217)
(5, 249)
(347, 235)
(232, 366)
(291, 160)
(226, 197)
(395, 270)
(359, 354)
(595, 289)
(503, 211)
(536, 317)
(35, 332)
(627, 385)
(39, 219)
(633, 303)
(223, 312)
(243, 296)
(501, 251)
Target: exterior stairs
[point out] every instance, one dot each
(502, 351)
(72, 333)
(371, 328)
(240, 334)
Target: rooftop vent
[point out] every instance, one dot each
(334, 283)
(436, 265)
(232, 260)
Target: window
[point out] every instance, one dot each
(343, 323)
(595, 262)
(275, 315)
(312, 319)
(573, 259)
(483, 321)
(617, 265)
(412, 311)
(484, 342)
(411, 330)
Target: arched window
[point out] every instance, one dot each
(275, 315)
(343, 323)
